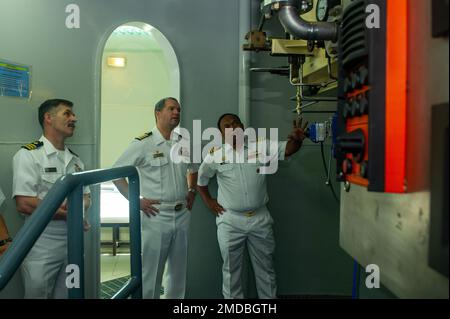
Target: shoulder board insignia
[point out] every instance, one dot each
(33, 146)
(73, 152)
(213, 149)
(143, 136)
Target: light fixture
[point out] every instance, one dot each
(116, 62)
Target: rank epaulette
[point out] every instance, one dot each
(73, 152)
(140, 138)
(213, 149)
(33, 146)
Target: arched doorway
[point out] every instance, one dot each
(138, 68)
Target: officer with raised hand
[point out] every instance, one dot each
(240, 207)
(36, 167)
(167, 195)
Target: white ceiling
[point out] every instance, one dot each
(131, 39)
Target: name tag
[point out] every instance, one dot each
(158, 154)
(50, 170)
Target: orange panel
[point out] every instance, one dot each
(396, 94)
(358, 180)
(360, 122)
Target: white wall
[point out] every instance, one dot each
(128, 98)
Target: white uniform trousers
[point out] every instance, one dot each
(234, 231)
(165, 243)
(44, 268)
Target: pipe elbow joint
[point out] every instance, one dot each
(301, 29)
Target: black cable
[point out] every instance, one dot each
(326, 173)
(356, 279)
(262, 19)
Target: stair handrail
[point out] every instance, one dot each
(71, 186)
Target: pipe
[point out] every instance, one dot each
(299, 28)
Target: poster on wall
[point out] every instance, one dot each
(14, 79)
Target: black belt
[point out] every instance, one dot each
(175, 206)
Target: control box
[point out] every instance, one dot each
(372, 94)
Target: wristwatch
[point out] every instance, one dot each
(192, 190)
(3, 242)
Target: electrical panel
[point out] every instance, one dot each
(372, 92)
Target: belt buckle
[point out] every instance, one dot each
(249, 214)
(178, 207)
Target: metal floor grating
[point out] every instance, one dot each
(110, 287)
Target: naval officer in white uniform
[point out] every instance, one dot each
(167, 195)
(36, 167)
(240, 207)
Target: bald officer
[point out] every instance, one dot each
(36, 167)
(167, 196)
(242, 215)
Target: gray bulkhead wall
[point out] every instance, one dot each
(65, 63)
(308, 259)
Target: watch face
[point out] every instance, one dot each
(322, 10)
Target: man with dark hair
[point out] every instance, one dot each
(36, 167)
(240, 207)
(167, 196)
(50, 106)
(236, 118)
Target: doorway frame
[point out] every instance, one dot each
(92, 255)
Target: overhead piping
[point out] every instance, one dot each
(293, 24)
